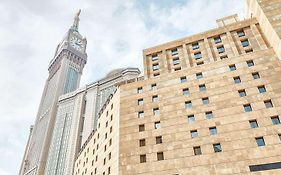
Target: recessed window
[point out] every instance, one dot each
(142, 142)
(268, 104)
(185, 91)
(255, 75)
(249, 50)
(205, 100)
(200, 63)
(183, 79)
(197, 150)
(241, 33)
(217, 40)
(224, 57)
(194, 133)
(253, 123)
(174, 51)
(275, 120)
(250, 63)
(247, 108)
(160, 156)
(188, 105)
(242, 93)
(159, 140)
(156, 74)
(279, 135)
(213, 131)
(141, 128)
(140, 90)
(209, 115)
(199, 75)
(157, 125)
(191, 118)
(177, 69)
(197, 55)
(232, 67)
(176, 61)
(142, 158)
(217, 147)
(237, 80)
(155, 98)
(202, 88)
(154, 57)
(153, 87)
(140, 101)
(260, 141)
(156, 111)
(195, 46)
(245, 43)
(141, 114)
(262, 89)
(155, 67)
(221, 49)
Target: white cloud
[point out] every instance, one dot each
(117, 32)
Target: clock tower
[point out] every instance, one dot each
(65, 71)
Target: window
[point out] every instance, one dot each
(261, 89)
(108, 170)
(140, 101)
(209, 115)
(142, 142)
(247, 108)
(224, 57)
(140, 90)
(155, 98)
(241, 33)
(110, 130)
(217, 147)
(200, 63)
(221, 49)
(242, 93)
(199, 75)
(195, 46)
(104, 161)
(177, 69)
(176, 61)
(279, 135)
(141, 128)
(253, 123)
(104, 148)
(160, 156)
(183, 79)
(157, 125)
(275, 120)
(141, 114)
(185, 91)
(159, 140)
(188, 105)
(268, 104)
(197, 150)
(191, 118)
(249, 50)
(213, 131)
(153, 87)
(250, 63)
(174, 51)
(217, 40)
(232, 67)
(154, 57)
(255, 75)
(202, 87)
(142, 158)
(156, 111)
(260, 141)
(245, 43)
(194, 133)
(205, 100)
(156, 75)
(155, 67)
(197, 55)
(237, 80)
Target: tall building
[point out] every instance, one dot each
(65, 70)
(207, 104)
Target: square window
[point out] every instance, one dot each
(155, 67)
(197, 150)
(199, 75)
(197, 55)
(213, 131)
(141, 128)
(153, 87)
(200, 63)
(194, 133)
(141, 114)
(160, 156)
(217, 147)
(268, 104)
(183, 79)
(202, 87)
(275, 120)
(250, 63)
(242, 93)
(188, 105)
(255, 75)
(157, 125)
(232, 67)
(217, 40)
(154, 57)
(195, 46)
(247, 108)
(209, 115)
(260, 141)
(262, 89)
(140, 101)
(245, 43)
(191, 118)
(155, 98)
(221, 49)
(142, 142)
(253, 123)
(174, 51)
(205, 101)
(140, 90)
(159, 140)
(176, 61)
(185, 91)
(142, 158)
(156, 111)
(237, 80)
(241, 33)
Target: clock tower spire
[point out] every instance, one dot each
(76, 21)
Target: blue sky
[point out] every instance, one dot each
(117, 31)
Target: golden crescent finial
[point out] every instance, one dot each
(78, 13)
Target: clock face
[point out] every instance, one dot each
(76, 43)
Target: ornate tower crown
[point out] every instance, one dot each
(76, 21)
